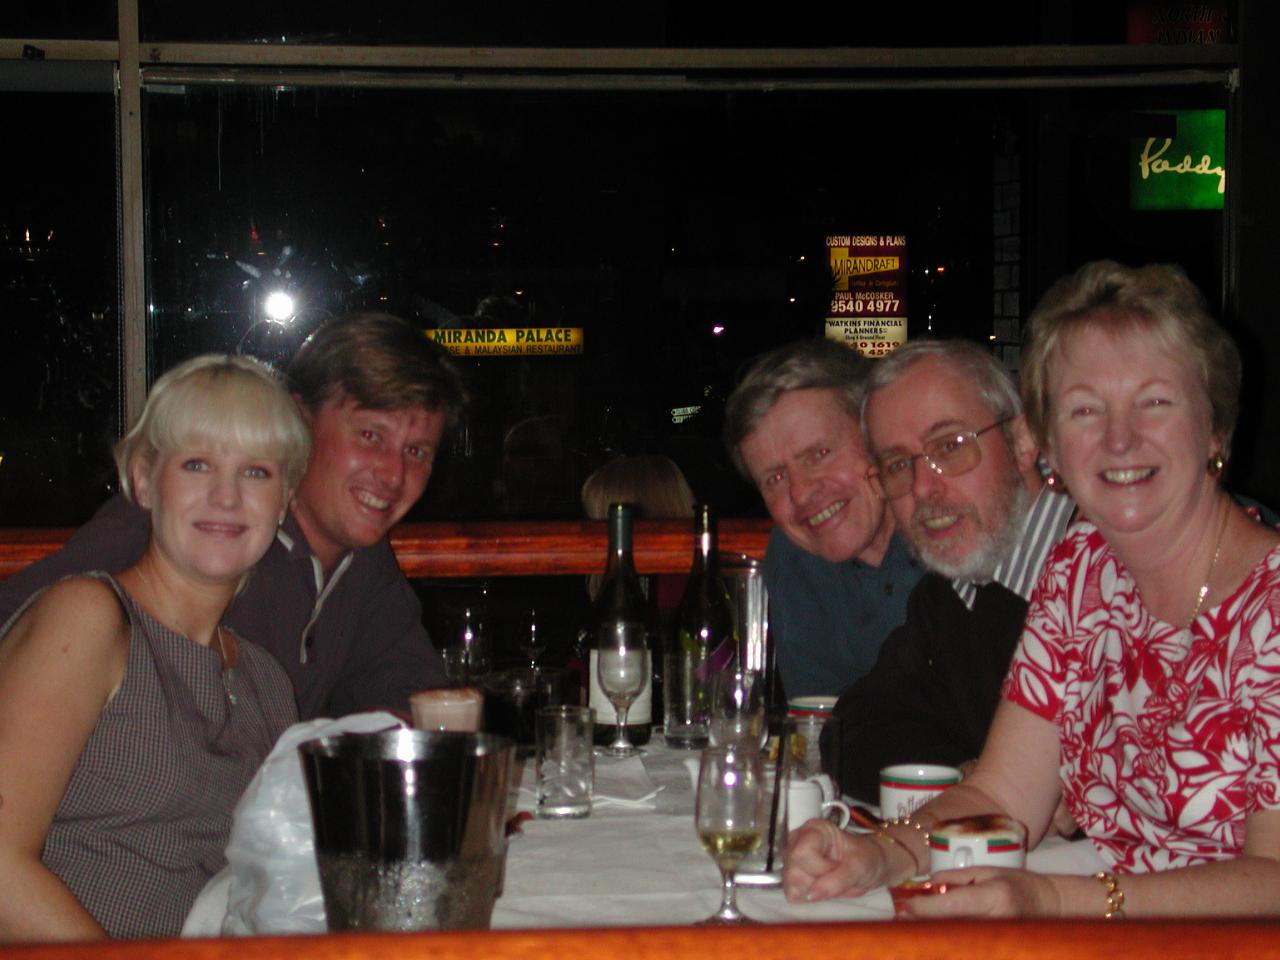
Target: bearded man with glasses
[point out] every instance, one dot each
(952, 456)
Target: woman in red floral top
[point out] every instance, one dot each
(1146, 690)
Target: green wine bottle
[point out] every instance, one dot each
(704, 640)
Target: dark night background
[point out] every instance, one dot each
(646, 218)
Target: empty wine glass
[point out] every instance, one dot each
(622, 669)
(533, 642)
(466, 659)
(732, 814)
(737, 709)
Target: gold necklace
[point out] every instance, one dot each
(1204, 588)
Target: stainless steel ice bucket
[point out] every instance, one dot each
(409, 827)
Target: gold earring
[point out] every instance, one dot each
(1216, 465)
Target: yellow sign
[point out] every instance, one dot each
(510, 341)
(844, 266)
(868, 309)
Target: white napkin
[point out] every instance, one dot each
(624, 783)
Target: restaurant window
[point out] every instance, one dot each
(650, 23)
(679, 234)
(60, 367)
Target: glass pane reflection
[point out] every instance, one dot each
(683, 233)
(59, 370)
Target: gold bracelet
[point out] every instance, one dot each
(903, 822)
(1115, 896)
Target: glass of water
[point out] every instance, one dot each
(565, 761)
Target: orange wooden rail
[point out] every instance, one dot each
(491, 549)
(973, 940)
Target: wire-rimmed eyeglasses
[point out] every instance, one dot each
(949, 455)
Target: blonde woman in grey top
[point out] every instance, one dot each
(130, 719)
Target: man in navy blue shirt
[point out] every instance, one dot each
(837, 573)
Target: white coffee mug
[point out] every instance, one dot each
(986, 841)
(906, 787)
(805, 801)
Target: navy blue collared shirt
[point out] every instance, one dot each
(827, 619)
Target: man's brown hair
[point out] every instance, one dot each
(381, 362)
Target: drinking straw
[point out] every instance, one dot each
(777, 789)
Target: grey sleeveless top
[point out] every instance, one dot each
(146, 817)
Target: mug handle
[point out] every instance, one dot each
(826, 784)
(842, 820)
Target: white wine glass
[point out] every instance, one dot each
(622, 669)
(731, 818)
(737, 709)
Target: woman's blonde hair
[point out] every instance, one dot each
(217, 398)
(1158, 300)
(652, 482)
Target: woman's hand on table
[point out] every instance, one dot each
(822, 861)
(987, 892)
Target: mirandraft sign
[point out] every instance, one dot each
(510, 341)
(1187, 171)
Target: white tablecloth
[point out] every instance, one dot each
(624, 866)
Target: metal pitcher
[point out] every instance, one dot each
(409, 827)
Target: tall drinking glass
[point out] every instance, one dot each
(732, 817)
(623, 670)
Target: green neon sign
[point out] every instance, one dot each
(1187, 171)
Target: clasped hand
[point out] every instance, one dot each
(823, 861)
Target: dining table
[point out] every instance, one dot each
(634, 861)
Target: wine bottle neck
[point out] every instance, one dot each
(620, 557)
(705, 541)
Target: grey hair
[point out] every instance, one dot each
(994, 385)
(818, 364)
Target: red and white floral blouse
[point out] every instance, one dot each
(1164, 749)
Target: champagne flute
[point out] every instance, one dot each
(622, 667)
(732, 813)
(737, 709)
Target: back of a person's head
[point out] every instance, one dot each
(217, 399)
(654, 483)
(381, 362)
(815, 364)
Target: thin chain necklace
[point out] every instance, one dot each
(1204, 588)
(226, 670)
